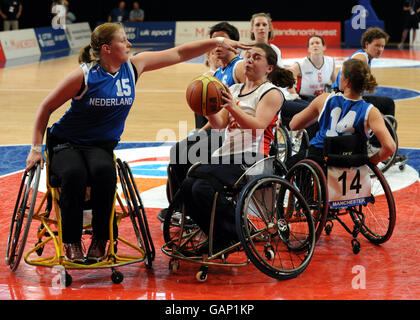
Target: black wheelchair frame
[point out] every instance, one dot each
(273, 224)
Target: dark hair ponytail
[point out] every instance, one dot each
(359, 75)
(279, 76)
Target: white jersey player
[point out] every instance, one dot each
(314, 71)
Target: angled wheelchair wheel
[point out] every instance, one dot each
(283, 150)
(308, 177)
(374, 145)
(275, 227)
(180, 233)
(299, 140)
(22, 217)
(136, 210)
(377, 218)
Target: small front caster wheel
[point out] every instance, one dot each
(174, 265)
(356, 246)
(328, 227)
(202, 274)
(117, 277)
(68, 280)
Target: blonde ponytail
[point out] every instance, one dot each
(84, 54)
(103, 34)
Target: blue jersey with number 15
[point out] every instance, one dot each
(342, 116)
(99, 112)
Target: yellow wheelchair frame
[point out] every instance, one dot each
(50, 228)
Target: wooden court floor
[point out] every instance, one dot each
(160, 97)
(392, 270)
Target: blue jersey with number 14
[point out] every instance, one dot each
(342, 116)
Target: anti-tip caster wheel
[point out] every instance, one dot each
(174, 265)
(328, 227)
(202, 274)
(117, 277)
(269, 252)
(68, 280)
(355, 245)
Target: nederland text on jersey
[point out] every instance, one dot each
(110, 102)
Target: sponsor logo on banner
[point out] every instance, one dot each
(187, 31)
(297, 33)
(150, 32)
(19, 43)
(51, 40)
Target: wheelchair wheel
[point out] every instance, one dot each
(275, 227)
(298, 140)
(308, 177)
(136, 210)
(180, 233)
(376, 219)
(283, 150)
(373, 143)
(22, 217)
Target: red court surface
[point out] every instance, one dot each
(387, 272)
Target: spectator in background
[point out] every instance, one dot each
(136, 14)
(118, 14)
(70, 17)
(10, 11)
(411, 21)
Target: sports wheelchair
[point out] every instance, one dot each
(273, 225)
(346, 183)
(291, 142)
(32, 205)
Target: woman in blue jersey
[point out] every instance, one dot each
(102, 91)
(373, 43)
(230, 69)
(345, 113)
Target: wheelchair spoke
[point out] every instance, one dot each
(277, 234)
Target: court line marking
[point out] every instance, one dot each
(140, 90)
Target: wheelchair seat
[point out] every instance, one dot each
(345, 151)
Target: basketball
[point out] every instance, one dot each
(204, 95)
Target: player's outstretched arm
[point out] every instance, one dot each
(147, 61)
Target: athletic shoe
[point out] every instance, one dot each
(97, 250)
(73, 252)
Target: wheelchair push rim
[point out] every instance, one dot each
(27, 192)
(278, 241)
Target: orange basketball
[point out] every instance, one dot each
(204, 95)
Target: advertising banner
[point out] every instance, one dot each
(296, 33)
(51, 40)
(149, 33)
(78, 34)
(187, 31)
(19, 43)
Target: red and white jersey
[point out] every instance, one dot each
(312, 80)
